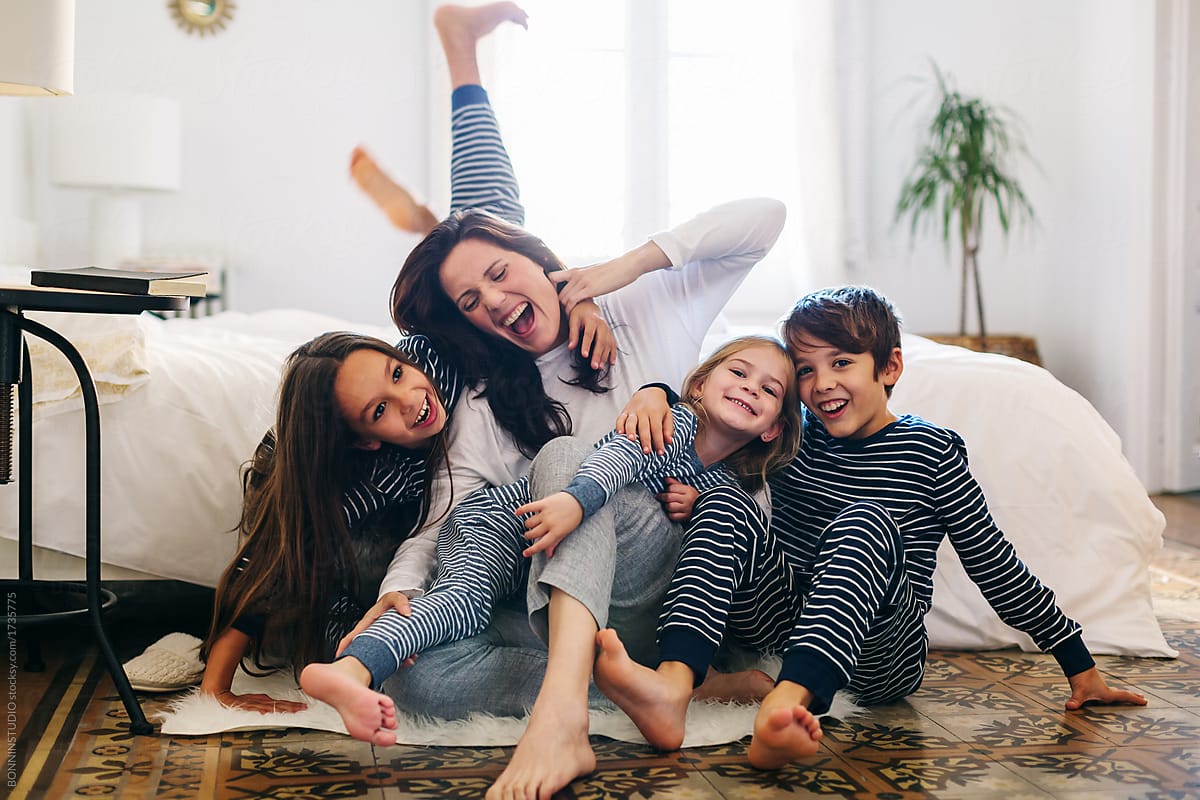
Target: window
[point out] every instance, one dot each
(625, 116)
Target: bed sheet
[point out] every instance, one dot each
(1051, 468)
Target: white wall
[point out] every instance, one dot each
(272, 106)
(1081, 74)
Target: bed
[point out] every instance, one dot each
(184, 402)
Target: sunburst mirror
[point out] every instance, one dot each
(201, 16)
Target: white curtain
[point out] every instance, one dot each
(625, 116)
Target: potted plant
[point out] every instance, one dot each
(961, 174)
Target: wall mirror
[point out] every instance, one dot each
(201, 16)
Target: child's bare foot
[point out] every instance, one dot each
(784, 730)
(553, 751)
(369, 715)
(461, 27)
(393, 199)
(745, 686)
(656, 700)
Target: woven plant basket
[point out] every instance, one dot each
(1022, 347)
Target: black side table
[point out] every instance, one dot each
(14, 362)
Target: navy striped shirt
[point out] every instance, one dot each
(619, 462)
(918, 472)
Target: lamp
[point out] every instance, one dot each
(37, 57)
(115, 142)
(37, 47)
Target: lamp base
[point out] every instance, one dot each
(116, 229)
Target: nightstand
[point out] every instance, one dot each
(39, 602)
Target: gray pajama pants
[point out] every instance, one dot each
(618, 564)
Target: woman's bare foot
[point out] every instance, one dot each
(553, 751)
(460, 27)
(393, 199)
(749, 685)
(656, 700)
(369, 715)
(784, 730)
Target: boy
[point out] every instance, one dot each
(840, 583)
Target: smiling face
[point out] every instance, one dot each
(383, 399)
(504, 294)
(844, 390)
(744, 394)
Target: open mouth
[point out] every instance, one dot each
(833, 406)
(520, 320)
(742, 405)
(424, 414)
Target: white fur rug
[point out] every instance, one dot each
(708, 722)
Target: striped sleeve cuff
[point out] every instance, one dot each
(588, 492)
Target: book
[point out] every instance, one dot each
(123, 281)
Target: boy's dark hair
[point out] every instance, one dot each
(855, 319)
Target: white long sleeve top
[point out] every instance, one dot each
(659, 322)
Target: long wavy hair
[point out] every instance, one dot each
(757, 459)
(295, 557)
(505, 374)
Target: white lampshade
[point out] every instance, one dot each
(37, 47)
(115, 142)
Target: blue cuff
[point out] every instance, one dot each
(375, 656)
(687, 647)
(588, 492)
(814, 672)
(1072, 655)
(472, 94)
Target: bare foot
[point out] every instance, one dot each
(748, 685)
(784, 730)
(460, 27)
(369, 715)
(553, 751)
(656, 701)
(393, 199)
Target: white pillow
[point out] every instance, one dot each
(1057, 485)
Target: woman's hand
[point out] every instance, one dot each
(583, 283)
(587, 327)
(554, 517)
(646, 419)
(396, 600)
(678, 500)
(1089, 687)
(263, 704)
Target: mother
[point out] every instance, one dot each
(477, 285)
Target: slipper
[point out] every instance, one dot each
(171, 663)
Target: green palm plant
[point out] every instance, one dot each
(960, 171)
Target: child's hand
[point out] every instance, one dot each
(584, 283)
(678, 500)
(263, 704)
(1089, 687)
(586, 325)
(646, 419)
(553, 518)
(396, 600)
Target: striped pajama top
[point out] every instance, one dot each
(618, 462)
(918, 472)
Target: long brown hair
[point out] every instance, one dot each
(295, 552)
(756, 459)
(514, 388)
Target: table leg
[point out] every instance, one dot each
(91, 410)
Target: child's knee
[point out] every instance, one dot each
(867, 523)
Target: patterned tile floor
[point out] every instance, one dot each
(984, 725)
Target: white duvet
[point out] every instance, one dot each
(173, 444)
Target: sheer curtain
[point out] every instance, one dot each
(625, 116)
